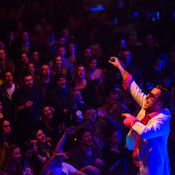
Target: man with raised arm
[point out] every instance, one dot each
(149, 131)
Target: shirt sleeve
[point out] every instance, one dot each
(127, 81)
(70, 169)
(155, 128)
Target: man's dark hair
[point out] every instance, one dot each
(80, 132)
(165, 96)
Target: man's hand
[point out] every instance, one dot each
(115, 61)
(130, 120)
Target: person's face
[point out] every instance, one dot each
(28, 81)
(77, 97)
(81, 72)
(62, 82)
(6, 128)
(24, 58)
(2, 55)
(114, 138)
(112, 99)
(16, 155)
(87, 53)
(86, 139)
(25, 36)
(31, 68)
(62, 41)
(71, 48)
(28, 153)
(41, 137)
(58, 61)
(127, 57)
(61, 51)
(47, 112)
(45, 70)
(8, 78)
(152, 102)
(90, 115)
(93, 64)
(35, 56)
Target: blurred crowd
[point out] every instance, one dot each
(60, 98)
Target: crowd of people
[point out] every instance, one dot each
(61, 101)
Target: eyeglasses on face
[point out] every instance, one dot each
(151, 95)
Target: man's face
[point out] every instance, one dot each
(152, 101)
(24, 58)
(86, 139)
(47, 113)
(28, 81)
(93, 64)
(87, 53)
(90, 115)
(25, 36)
(45, 70)
(8, 78)
(62, 82)
(61, 51)
(127, 57)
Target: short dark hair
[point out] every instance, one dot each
(165, 96)
(80, 132)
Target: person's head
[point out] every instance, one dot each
(84, 137)
(113, 136)
(61, 51)
(2, 56)
(126, 55)
(87, 53)
(60, 80)
(92, 63)
(45, 70)
(14, 154)
(80, 72)
(39, 135)
(28, 81)
(58, 61)
(8, 78)
(77, 97)
(90, 115)
(61, 40)
(35, 55)
(47, 112)
(112, 98)
(24, 58)
(27, 150)
(25, 36)
(5, 127)
(31, 68)
(71, 48)
(158, 98)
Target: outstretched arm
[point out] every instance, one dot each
(115, 62)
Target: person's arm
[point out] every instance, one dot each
(129, 84)
(158, 126)
(117, 64)
(60, 143)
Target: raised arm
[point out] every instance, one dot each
(115, 62)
